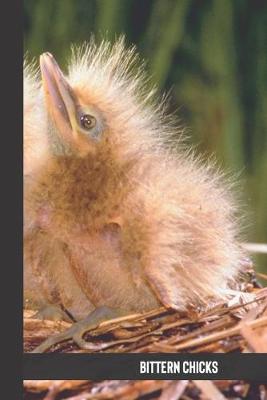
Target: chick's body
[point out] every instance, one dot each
(124, 221)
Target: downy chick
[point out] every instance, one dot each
(124, 220)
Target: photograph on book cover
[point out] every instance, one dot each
(145, 190)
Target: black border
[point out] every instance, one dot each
(11, 29)
(250, 367)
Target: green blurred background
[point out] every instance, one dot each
(211, 55)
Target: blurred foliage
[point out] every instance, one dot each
(210, 54)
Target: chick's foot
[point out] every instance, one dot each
(78, 329)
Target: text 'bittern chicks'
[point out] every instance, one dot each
(114, 214)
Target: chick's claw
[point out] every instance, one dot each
(78, 329)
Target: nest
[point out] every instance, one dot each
(237, 326)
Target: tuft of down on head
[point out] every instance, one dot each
(113, 78)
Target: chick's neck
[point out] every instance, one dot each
(81, 195)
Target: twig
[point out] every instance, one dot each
(209, 390)
(256, 247)
(220, 335)
(174, 391)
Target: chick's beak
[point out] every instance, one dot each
(59, 96)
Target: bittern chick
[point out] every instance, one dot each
(124, 219)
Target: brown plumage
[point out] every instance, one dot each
(120, 217)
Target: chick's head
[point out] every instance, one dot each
(102, 122)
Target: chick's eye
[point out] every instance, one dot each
(87, 121)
